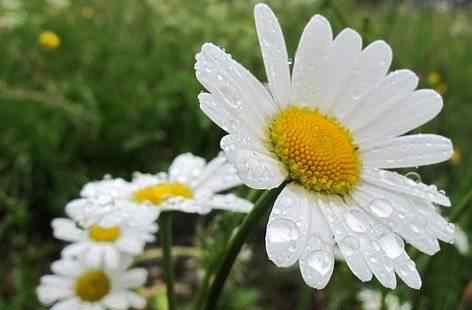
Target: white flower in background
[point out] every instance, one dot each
(461, 241)
(330, 129)
(191, 185)
(78, 286)
(123, 231)
(372, 300)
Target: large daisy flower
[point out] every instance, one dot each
(103, 241)
(330, 129)
(77, 286)
(191, 185)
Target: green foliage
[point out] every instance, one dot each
(119, 95)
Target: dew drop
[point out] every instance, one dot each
(381, 208)
(415, 176)
(354, 220)
(392, 245)
(320, 262)
(349, 245)
(283, 231)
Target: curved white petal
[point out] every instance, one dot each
(393, 181)
(216, 113)
(50, 294)
(391, 90)
(230, 202)
(186, 167)
(219, 175)
(66, 229)
(371, 68)
(134, 278)
(336, 70)
(66, 267)
(288, 226)
(257, 170)
(415, 110)
(111, 257)
(117, 301)
(245, 101)
(317, 260)
(313, 47)
(274, 53)
(396, 211)
(68, 304)
(408, 151)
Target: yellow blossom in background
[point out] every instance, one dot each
(434, 78)
(49, 40)
(87, 12)
(456, 158)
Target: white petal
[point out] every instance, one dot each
(66, 267)
(349, 243)
(136, 301)
(274, 53)
(219, 175)
(230, 202)
(186, 167)
(356, 233)
(235, 90)
(131, 245)
(134, 278)
(216, 113)
(95, 255)
(398, 183)
(397, 212)
(75, 249)
(106, 187)
(69, 304)
(407, 271)
(336, 71)
(317, 259)
(408, 151)
(288, 226)
(417, 109)
(66, 229)
(391, 90)
(313, 47)
(255, 169)
(371, 68)
(117, 301)
(112, 257)
(50, 294)
(56, 281)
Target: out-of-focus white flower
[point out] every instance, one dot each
(104, 240)
(461, 241)
(77, 286)
(372, 300)
(191, 185)
(331, 128)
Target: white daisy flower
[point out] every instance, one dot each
(78, 286)
(330, 129)
(191, 185)
(103, 241)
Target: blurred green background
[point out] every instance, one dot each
(111, 89)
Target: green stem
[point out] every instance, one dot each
(165, 230)
(263, 204)
(202, 293)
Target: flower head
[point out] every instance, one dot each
(191, 185)
(49, 40)
(103, 238)
(331, 128)
(75, 285)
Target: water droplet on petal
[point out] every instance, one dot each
(283, 231)
(381, 208)
(392, 245)
(355, 220)
(319, 261)
(415, 176)
(349, 245)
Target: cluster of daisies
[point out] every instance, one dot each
(329, 130)
(111, 223)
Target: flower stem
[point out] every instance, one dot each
(165, 230)
(261, 207)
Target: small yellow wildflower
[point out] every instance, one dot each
(49, 40)
(434, 78)
(456, 158)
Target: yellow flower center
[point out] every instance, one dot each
(318, 152)
(104, 234)
(92, 286)
(156, 194)
(49, 40)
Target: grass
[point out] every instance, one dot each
(119, 95)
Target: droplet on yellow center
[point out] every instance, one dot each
(318, 152)
(92, 286)
(104, 234)
(156, 194)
